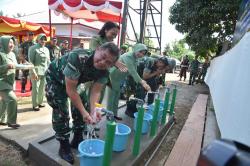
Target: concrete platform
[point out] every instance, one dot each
(34, 125)
(36, 136)
(47, 149)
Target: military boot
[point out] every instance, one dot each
(77, 139)
(65, 151)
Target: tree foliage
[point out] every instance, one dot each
(206, 23)
(178, 49)
(2, 13)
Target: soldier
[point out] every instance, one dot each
(154, 68)
(54, 50)
(24, 57)
(194, 67)
(8, 100)
(65, 47)
(117, 76)
(184, 67)
(63, 77)
(39, 57)
(203, 72)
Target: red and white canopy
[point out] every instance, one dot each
(90, 10)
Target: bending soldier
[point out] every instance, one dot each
(63, 77)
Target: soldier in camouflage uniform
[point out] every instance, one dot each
(194, 67)
(63, 77)
(54, 50)
(24, 57)
(154, 69)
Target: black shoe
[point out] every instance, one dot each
(13, 125)
(117, 118)
(65, 151)
(41, 105)
(23, 91)
(3, 124)
(77, 139)
(36, 108)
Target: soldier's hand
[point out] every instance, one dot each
(88, 119)
(145, 85)
(34, 76)
(10, 66)
(98, 116)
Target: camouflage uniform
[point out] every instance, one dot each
(77, 64)
(54, 51)
(25, 50)
(194, 67)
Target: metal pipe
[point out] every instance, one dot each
(50, 27)
(151, 92)
(173, 100)
(136, 147)
(165, 107)
(143, 21)
(140, 102)
(155, 117)
(109, 140)
(124, 22)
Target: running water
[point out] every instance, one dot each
(117, 130)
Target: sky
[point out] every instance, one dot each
(11, 7)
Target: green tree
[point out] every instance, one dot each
(207, 23)
(2, 13)
(177, 49)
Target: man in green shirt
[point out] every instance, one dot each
(54, 49)
(154, 68)
(194, 67)
(63, 77)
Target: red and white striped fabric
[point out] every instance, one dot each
(90, 10)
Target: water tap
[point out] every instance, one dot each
(109, 114)
(151, 92)
(140, 102)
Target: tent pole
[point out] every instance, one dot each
(118, 41)
(71, 27)
(50, 30)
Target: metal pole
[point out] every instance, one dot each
(109, 140)
(71, 29)
(118, 41)
(161, 25)
(133, 27)
(50, 29)
(136, 147)
(165, 107)
(155, 117)
(143, 21)
(124, 22)
(150, 8)
(173, 101)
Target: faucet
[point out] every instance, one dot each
(109, 114)
(151, 92)
(140, 102)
